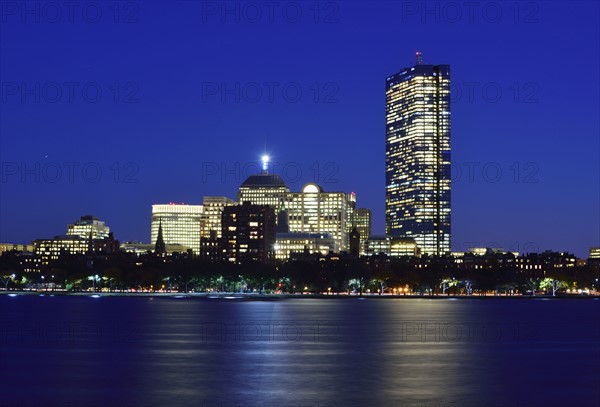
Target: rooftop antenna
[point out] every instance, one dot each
(419, 58)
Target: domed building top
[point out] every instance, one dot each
(312, 188)
(264, 180)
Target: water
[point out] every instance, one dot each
(151, 351)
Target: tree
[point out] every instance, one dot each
(113, 276)
(9, 266)
(468, 286)
(552, 284)
(448, 283)
(532, 284)
(359, 276)
(6, 279)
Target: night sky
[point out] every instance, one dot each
(110, 107)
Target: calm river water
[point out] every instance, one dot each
(72, 351)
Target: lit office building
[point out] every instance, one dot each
(264, 189)
(51, 249)
(306, 243)
(212, 210)
(88, 226)
(316, 211)
(488, 251)
(180, 225)
(147, 248)
(362, 223)
(47, 250)
(310, 211)
(594, 257)
(391, 246)
(248, 233)
(418, 156)
(7, 247)
(88, 236)
(403, 247)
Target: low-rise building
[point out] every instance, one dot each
(7, 247)
(391, 246)
(147, 248)
(308, 243)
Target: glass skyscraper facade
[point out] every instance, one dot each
(418, 156)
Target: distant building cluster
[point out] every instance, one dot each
(86, 235)
(266, 223)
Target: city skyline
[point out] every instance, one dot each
(161, 210)
(299, 203)
(161, 141)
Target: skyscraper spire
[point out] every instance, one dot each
(160, 247)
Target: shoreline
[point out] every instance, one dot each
(266, 297)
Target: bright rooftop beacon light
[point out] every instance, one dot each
(265, 162)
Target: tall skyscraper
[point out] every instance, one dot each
(180, 225)
(418, 156)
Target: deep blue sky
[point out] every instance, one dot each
(168, 127)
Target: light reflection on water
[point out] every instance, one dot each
(300, 352)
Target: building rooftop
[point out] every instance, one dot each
(392, 238)
(88, 217)
(264, 180)
(303, 235)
